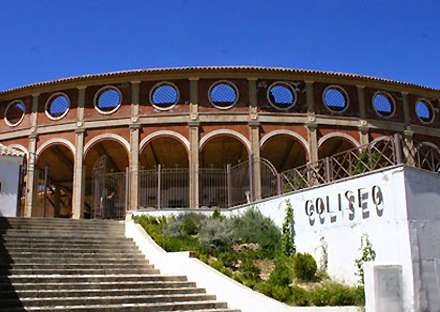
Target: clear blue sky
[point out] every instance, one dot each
(43, 39)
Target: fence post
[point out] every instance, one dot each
(397, 149)
(279, 190)
(328, 170)
(159, 173)
(228, 184)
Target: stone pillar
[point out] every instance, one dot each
(134, 167)
(78, 190)
(312, 139)
(30, 175)
(78, 176)
(133, 176)
(194, 164)
(409, 150)
(254, 130)
(194, 143)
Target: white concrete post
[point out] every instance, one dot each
(194, 144)
(78, 177)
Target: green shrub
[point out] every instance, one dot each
(281, 293)
(229, 258)
(300, 296)
(215, 235)
(184, 224)
(249, 270)
(288, 232)
(282, 273)
(253, 227)
(335, 294)
(304, 266)
(216, 214)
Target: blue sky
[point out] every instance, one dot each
(43, 40)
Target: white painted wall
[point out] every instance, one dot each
(399, 210)
(9, 179)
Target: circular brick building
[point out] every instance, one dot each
(97, 145)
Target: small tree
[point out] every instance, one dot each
(367, 254)
(288, 237)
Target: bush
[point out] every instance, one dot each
(282, 273)
(304, 266)
(184, 224)
(300, 296)
(253, 227)
(335, 294)
(215, 235)
(281, 293)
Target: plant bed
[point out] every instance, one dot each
(252, 250)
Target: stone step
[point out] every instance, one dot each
(75, 260)
(194, 306)
(97, 285)
(62, 249)
(65, 244)
(76, 301)
(98, 292)
(95, 236)
(68, 266)
(95, 278)
(21, 226)
(66, 239)
(71, 253)
(78, 271)
(61, 233)
(7, 222)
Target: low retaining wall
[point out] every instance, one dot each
(226, 289)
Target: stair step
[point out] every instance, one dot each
(75, 260)
(195, 306)
(99, 292)
(111, 271)
(75, 301)
(90, 278)
(97, 285)
(82, 266)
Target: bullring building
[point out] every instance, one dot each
(97, 146)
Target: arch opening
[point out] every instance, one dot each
(334, 145)
(54, 182)
(106, 162)
(284, 152)
(164, 174)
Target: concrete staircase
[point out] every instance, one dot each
(86, 265)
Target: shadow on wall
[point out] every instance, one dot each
(8, 297)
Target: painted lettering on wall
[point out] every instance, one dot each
(361, 203)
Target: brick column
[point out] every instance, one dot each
(194, 144)
(78, 167)
(310, 96)
(406, 113)
(30, 175)
(312, 139)
(363, 127)
(133, 198)
(254, 131)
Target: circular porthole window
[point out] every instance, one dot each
(281, 95)
(223, 94)
(14, 113)
(424, 111)
(108, 100)
(335, 99)
(383, 104)
(57, 106)
(164, 96)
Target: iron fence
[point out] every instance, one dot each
(110, 195)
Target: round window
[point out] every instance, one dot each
(164, 96)
(223, 95)
(383, 104)
(281, 95)
(15, 113)
(108, 100)
(424, 111)
(335, 99)
(57, 106)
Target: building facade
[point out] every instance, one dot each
(98, 145)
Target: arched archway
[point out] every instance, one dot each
(54, 179)
(428, 156)
(224, 174)
(283, 150)
(164, 178)
(335, 143)
(106, 162)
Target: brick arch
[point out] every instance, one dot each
(54, 141)
(107, 136)
(291, 133)
(225, 132)
(337, 134)
(164, 133)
